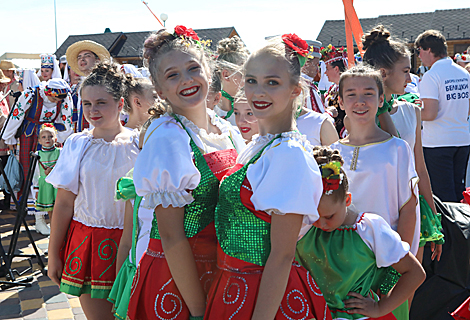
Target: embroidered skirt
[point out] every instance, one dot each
(235, 289)
(154, 293)
(89, 257)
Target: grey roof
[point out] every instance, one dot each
(454, 24)
(105, 39)
(130, 44)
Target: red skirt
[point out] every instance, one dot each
(154, 294)
(89, 257)
(235, 289)
(462, 312)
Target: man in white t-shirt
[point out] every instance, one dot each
(444, 91)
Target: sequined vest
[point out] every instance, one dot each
(199, 213)
(241, 234)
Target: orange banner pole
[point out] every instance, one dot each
(353, 24)
(349, 40)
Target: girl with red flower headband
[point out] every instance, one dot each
(265, 198)
(185, 154)
(353, 255)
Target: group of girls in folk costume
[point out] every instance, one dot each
(82, 258)
(211, 228)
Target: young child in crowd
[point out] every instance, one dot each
(185, 154)
(87, 222)
(392, 58)
(348, 252)
(44, 192)
(275, 186)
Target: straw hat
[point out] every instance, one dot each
(3, 78)
(7, 65)
(77, 47)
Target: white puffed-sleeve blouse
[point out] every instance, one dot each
(165, 173)
(89, 168)
(286, 178)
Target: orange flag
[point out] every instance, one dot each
(352, 27)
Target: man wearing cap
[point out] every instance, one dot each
(309, 72)
(8, 69)
(82, 56)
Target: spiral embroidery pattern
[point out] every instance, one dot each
(206, 280)
(310, 281)
(103, 252)
(74, 264)
(173, 299)
(228, 296)
(304, 310)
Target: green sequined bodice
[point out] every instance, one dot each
(241, 234)
(199, 213)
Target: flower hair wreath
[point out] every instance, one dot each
(298, 45)
(189, 35)
(331, 176)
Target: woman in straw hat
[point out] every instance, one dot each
(8, 69)
(82, 56)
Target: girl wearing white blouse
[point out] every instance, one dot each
(87, 224)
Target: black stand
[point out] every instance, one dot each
(22, 211)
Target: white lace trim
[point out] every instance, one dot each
(215, 120)
(117, 141)
(176, 199)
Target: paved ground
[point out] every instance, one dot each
(42, 300)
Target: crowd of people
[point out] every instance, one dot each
(227, 185)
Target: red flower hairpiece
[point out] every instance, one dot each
(331, 176)
(182, 31)
(48, 125)
(297, 44)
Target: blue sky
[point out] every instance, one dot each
(28, 25)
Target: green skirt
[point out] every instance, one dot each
(46, 195)
(430, 225)
(120, 294)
